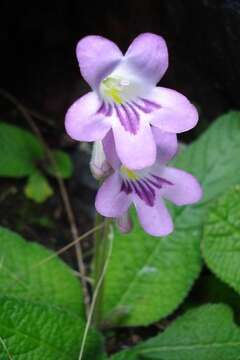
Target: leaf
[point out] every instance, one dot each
(221, 240)
(31, 331)
(20, 151)
(207, 332)
(64, 165)
(24, 274)
(149, 277)
(38, 188)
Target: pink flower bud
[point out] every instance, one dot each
(124, 223)
(98, 164)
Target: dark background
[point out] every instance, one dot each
(38, 40)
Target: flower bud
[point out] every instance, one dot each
(98, 164)
(124, 223)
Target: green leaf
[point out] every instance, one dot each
(20, 151)
(149, 277)
(207, 332)
(25, 274)
(38, 188)
(221, 240)
(32, 331)
(64, 165)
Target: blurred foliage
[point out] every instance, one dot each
(22, 154)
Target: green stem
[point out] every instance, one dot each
(100, 255)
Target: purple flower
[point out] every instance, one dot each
(125, 98)
(146, 189)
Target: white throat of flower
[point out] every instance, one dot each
(119, 89)
(125, 97)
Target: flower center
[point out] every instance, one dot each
(116, 89)
(130, 174)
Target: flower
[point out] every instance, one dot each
(125, 99)
(147, 189)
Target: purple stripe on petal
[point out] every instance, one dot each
(133, 118)
(105, 109)
(123, 187)
(146, 106)
(150, 193)
(148, 186)
(137, 190)
(102, 109)
(109, 110)
(126, 187)
(128, 117)
(143, 193)
(150, 104)
(142, 108)
(155, 184)
(161, 181)
(121, 117)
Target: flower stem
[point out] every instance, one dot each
(102, 239)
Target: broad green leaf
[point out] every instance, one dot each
(221, 240)
(24, 273)
(207, 332)
(33, 331)
(38, 188)
(64, 165)
(149, 277)
(20, 151)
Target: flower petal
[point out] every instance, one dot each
(110, 151)
(148, 57)
(135, 151)
(82, 121)
(167, 145)
(176, 114)
(185, 189)
(97, 57)
(110, 200)
(156, 219)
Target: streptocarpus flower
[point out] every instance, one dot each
(147, 189)
(125, 98)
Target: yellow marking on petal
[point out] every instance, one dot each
(112, 89)
(129, 173)
(114, 94)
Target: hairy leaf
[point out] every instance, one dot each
(149, 277)
(24, 273)
(33, 331)
(221, 240)
(207, 332)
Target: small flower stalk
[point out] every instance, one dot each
(134, 125)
